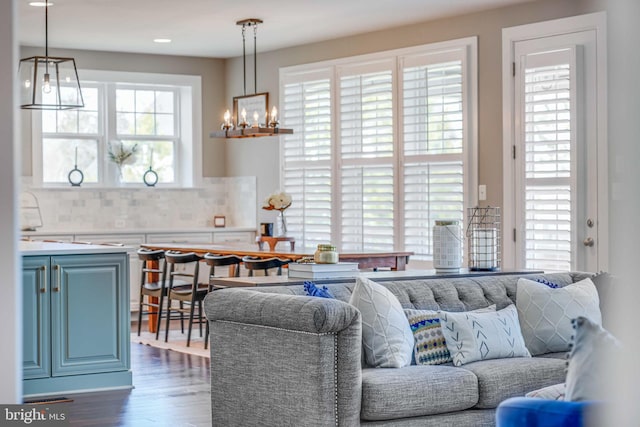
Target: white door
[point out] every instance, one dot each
(556, 141)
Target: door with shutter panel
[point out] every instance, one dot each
(555, 153)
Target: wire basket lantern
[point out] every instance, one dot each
(483, 238)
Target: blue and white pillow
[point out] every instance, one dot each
(430, 346)
(481, 336)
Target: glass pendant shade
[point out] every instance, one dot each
(49, 83)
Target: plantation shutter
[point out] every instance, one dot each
(366, 159)
(548, 170)
(307, 159)
(383, 145)
(433, 131)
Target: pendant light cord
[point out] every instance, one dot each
(255, 59)
(46, 35)
(244, 60)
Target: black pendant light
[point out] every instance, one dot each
(48, 82)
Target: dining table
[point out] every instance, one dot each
(367, 260)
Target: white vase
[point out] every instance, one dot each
(447, 246)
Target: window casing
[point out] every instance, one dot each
(383, 145)
(158, 114)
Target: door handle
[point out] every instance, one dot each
(43, 289)
(56, 287)
(588, 242)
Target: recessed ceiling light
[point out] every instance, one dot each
(40, 3)
(162, 40)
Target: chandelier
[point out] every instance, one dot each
(265, 122)
(48, 82)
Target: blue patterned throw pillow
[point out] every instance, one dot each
(314, 291)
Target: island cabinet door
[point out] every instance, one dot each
(35, 317)
(89, 314)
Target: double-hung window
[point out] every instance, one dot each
(157, 117)
(146, 118)
(73, 137)
(383, 146)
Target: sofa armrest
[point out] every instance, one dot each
(283, 360)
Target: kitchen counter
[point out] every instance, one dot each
(47, 231)
(29, 248)
(76, 324)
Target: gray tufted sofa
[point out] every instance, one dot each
(279, 358)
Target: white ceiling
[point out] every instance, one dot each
(208, 27)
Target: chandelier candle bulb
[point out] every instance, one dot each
(243, 124)
(227, 125)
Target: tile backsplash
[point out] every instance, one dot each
(99, 209)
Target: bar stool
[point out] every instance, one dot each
(214, 261)
(152, 284)
(192, 294)
(252, 264)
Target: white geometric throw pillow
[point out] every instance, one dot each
(387, 340)
(545, 313)
(481, 336)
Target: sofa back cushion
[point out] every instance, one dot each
(448, 293)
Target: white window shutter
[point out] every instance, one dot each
(306, 160)
(433, 151)
(380, 148)
(547, 165)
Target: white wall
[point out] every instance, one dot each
(624, 204)
(10, 309)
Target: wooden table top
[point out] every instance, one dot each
(393, 259)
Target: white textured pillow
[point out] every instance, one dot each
(545, 313)
(480, 336)
(593, 347)
(552, 392)
(387, 339)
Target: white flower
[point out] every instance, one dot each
(278, 201)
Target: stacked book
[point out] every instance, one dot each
(312, 270)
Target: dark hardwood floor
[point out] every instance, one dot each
(171, 389)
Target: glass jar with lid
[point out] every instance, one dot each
(326, 254)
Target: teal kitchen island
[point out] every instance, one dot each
(76, 327)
